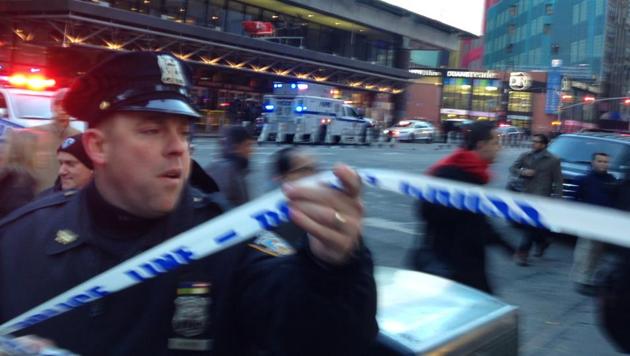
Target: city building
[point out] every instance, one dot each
(471, 49)
(237, 49)
(515, 98)
(580, 43)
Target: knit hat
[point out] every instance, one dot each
(74, 146)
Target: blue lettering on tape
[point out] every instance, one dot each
(226, 237)
(269, 219)
(176, 258)
(474, 202)
(74, 301)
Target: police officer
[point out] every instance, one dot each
(261, 298)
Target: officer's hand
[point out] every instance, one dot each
(331, 218)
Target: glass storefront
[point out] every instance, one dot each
(486, 95)
(228, 15)
(456, 93)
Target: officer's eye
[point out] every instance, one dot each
(150, 131)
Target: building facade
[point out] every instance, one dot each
(237, 49)
(516, 98)
(582, 42)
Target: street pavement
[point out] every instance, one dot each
(554, 319)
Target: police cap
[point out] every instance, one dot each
(132, 81)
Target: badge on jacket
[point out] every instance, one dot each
(191, 318)
(272, 244)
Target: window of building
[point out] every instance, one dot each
(548, 9)
(175, 10)
(513, 10)
(520, 101)
(196, 12)
(583, 13)
(555, 48)
(216, 14)
(574, 52)
(598, 45)
(509, 48)
(547, 28)
(600, 7)
(576, 13)
(486, 95)
(456, 94)
(234, 17)
(511, 29)
(582, 50)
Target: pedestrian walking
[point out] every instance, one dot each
(288, 165)
(596, 187)
(540, 174)
(17, 179)
(230, 171)
(253, 298)
(454, 242)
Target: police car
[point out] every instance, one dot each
(304, 113)
(25, 101)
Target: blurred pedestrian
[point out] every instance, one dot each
(614, 290)
(454, 242)
(541, 175)
(253, 298)
(17, 179)
(231, 169)
(596, 187)
(75, 167)
(289, 165)
(49, 137)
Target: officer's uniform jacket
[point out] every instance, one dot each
(251, 299)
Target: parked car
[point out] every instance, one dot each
(510, 135)
(412, 130)
(576, 150)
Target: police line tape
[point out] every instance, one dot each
(271, 210)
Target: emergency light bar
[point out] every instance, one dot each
(32, 82)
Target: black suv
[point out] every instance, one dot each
(575, 152)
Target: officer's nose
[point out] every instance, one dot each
(177, 140)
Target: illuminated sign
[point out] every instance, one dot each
(426, 72)
(520, 81)
(477, 75)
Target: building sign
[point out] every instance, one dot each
(476, 75)
(520, 81)
(454, 111)
(426, 72)
(554, 86)
(482, 113)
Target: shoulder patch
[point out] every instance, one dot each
(271, 244)
(58, 198)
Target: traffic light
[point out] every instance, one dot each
(589, 99)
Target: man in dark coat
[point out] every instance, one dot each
(260, 298)
(455, 240)
(597, 188)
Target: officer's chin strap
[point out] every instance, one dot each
(270, 210)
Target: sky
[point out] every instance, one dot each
(466, 15)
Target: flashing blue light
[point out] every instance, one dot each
(293, 86)
(277, 85)
(269, 107)
(299, 108)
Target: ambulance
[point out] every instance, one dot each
(25, 101)
(305, 113)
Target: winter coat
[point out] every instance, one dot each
(548, 178)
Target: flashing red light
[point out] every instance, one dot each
(589, 99)
(626, 102)
(224, 105)
(33, 82)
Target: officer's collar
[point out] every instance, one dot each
(114, 222)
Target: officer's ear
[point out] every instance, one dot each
(94, 144)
